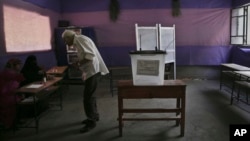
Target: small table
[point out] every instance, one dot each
(57, 70)
(243, 77)
(171, 89)
(232, 66)
(35, 88)
(227, 74)
(44, 85)
(244, 73)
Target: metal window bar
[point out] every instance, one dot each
(244, 24)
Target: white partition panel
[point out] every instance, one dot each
(157, 38)
(167, 43)
(146, 37)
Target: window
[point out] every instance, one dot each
(239, 26)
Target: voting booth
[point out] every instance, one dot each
(155, 47)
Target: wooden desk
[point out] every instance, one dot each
(47, 84)
(31, 90)
(228, 76)
(243, 81)
(171, 89)
(57, 70)
(243, 73)
(232, 66)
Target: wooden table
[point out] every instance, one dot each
(47, 84)
(57, 70)
(228, 76)
(171, 89)
(232, 66)
(35, 88)
(244, 76)
(243, 73)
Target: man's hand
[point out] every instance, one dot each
(75, 65)
(84, 76)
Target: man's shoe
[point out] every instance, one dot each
(89, 126)
(88, 120)
(85, 121)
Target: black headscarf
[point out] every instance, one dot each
(31, 71)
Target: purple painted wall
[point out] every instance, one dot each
(54, 5)
(100, 5)
(202, 30)
(67, 6)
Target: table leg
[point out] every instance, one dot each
(178, 105)
(61, 97)
(111, 82)
(221, 76)
(232, 93)
(120, 107)
(36, 113)
(183, 107)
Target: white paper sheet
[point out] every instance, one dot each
(35, 86)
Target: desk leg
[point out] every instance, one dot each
(36, 113)
(111, 82)
(221, 76)
(232, 92)
(61, 97)
(178, 105)
(120, 109)
(183, 107)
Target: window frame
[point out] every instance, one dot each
(236, 28)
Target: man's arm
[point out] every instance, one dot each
(83, 62)
(78, 64)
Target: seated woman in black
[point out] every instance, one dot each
(31, 71)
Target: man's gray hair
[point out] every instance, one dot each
(68, 33)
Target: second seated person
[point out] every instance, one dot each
(31, 70)
(91, 64)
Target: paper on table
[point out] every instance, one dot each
(35, 86)
(29, 99)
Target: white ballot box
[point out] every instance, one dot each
(148, 67)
